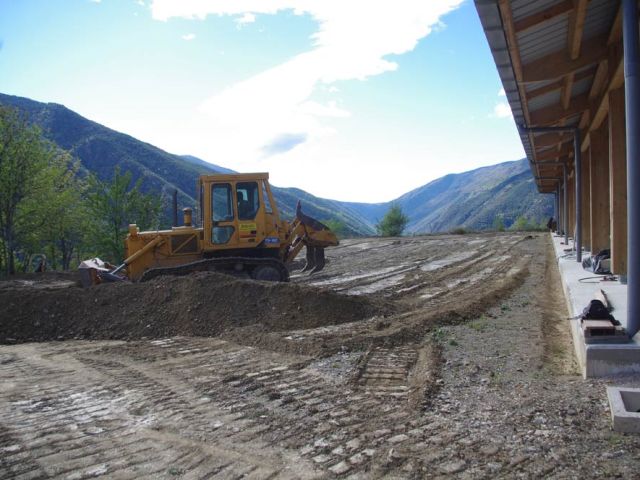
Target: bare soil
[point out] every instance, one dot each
(415, 357)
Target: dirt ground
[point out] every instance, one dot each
(419, 357)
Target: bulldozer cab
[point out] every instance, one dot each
(237, 212)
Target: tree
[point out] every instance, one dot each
(393, 223)
(56, 215)
(116, 204)
(498, 223)
(521, 224)
(336, 226)
(24, 155)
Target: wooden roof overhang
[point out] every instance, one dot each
(557, 60)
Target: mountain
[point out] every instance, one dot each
(471, 199)
(101, 149)
(202, 163)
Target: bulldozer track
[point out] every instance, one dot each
(386, 372)
(200, 408)
(260, 404)
(222, 264)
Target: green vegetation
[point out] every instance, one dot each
(393, 223)
(47, 207)
(523, 224)
(116, 204)
(498, 223)
(337, 226)
(39, 196)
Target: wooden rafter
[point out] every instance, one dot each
(512, 43)
(557, 65)
(557, 85)
(544, 16)
(550, 139)
(554, 154)
(554, 113)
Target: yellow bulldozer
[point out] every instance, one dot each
(241, 233)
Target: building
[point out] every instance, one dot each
(570, 70)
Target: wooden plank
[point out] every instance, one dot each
(618, 181)
(576, 28)
(557, 85)
(554, 113)
(586, 201)
(558, 64)
(599, 171)
(549, 139)
(615, 35)
(554, 154)
(571, 214)
(544, 16)
(601, 107)
(565, 95)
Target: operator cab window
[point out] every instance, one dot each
(222, 208)
(248, 200)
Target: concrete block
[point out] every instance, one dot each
(625, 409)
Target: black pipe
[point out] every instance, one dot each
(556, 207)
(632, 99)
(175, 207)
(577, 157)
(566, 206)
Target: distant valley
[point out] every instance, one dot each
(471, 199)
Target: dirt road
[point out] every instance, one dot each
(445, 358)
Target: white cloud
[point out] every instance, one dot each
(189, 36)
(502, 93)
(502, 110)
(95, 1)
(246, 19)
(353, 41)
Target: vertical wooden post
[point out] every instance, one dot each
(586, 201)
(618, 181)
(599, 170)
(571, 210)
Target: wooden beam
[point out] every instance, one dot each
(615, 35)
(599, 170)
(550, 139)
(554, 154)
(557, 85)
(554, 113)
(618, 181)
(599, 80)
(574, 40)
(576, 28)
(557, 64)
(601, 107)
(543, 16)
(586, 200)
(512, 44)
(567, 87)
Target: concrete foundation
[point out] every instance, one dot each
(595, 360)
(625, 409)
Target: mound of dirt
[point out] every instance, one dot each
(203, 304)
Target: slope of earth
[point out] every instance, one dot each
(101, 149)
(467, 373)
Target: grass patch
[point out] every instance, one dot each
(480, 324)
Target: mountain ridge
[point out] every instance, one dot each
(469, 199)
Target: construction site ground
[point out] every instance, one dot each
(415, 357)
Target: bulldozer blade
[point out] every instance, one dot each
(311, 259)
(319, 260)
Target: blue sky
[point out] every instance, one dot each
(352, 99)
